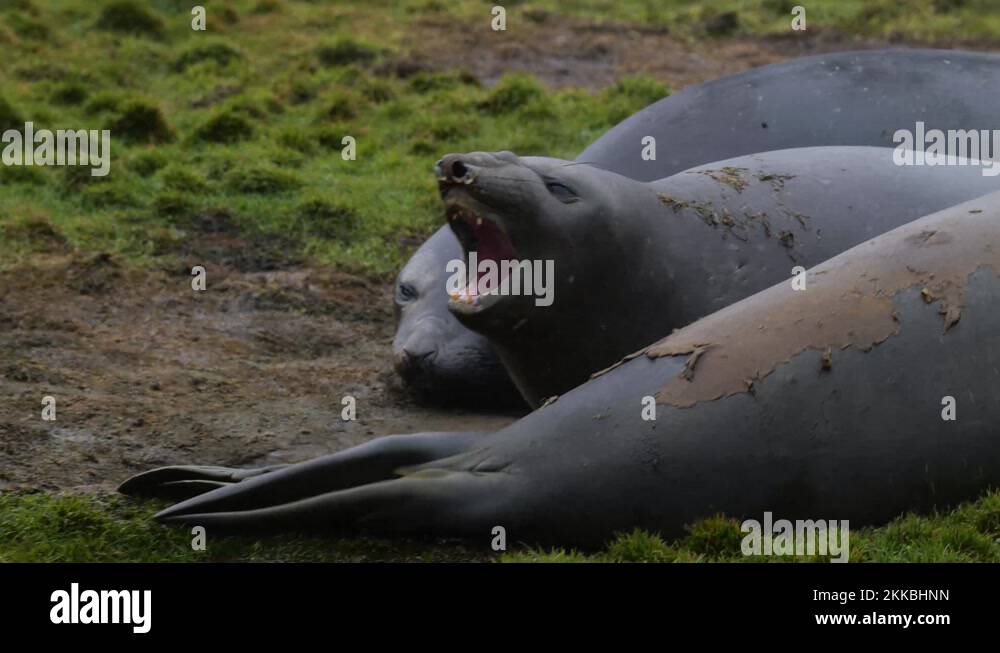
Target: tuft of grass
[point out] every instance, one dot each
(28, 175)
(18, 5)
(377, 91)
(320, 217)
(28, 28)
(718, 24)
(630, 95)
(10, 118)
(512, 93)
(180, 178)
(266, 7)
(146, 163)
(340, 105)
(109, 195)
(557, 555)
(714, 537)
(345, 51)
(260, 180)
(218, 53)
(75, 178)
(639, 546)
(173, 204)
(225, 127)
(298, 139)
(640, 90)
(425, 82)
(141, 121)
(70, 93)
(104, 102)
(130, 17)
(35, 229)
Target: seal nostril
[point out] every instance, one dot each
(416, 357)
(458, 170)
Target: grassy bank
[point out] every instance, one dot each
(50, 528)
(245, 122)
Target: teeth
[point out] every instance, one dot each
(479, 222)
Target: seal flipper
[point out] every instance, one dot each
(229, 489)
(432, 501)
(185, 481)
(181, 490)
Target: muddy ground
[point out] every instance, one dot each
(147, 372)
(572, 52)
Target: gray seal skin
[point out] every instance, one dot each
(438, 358)
(824, 403)
(847, 98)
(634, 260)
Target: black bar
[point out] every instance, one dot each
(247, 602)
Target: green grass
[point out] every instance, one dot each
(970, 533)
(59, 528)
(250, 118)
(255, 110)
(67, 528)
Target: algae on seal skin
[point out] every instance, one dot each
(633, 260)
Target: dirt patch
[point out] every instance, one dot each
(147, 372)
(218, 239)
(567, 52)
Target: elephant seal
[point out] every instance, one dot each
(844, 98)
(847, 98)
(438, 358)
(633, 261)
(823, 403)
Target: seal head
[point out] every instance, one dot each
(507, 208)
(438, 359)
(552, 229)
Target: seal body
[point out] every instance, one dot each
(824, 403)
(843, 98)
(848, 98)
(633, 260)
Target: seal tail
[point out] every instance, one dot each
(225, 489)
(431, 501)
(185, 481)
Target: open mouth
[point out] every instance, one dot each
(482, 236)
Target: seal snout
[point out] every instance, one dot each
(456, 169)
(465, 168)
(413, 359)
(453, 169)
(477, 204)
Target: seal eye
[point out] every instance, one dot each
(405, 293)
(562, 192)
